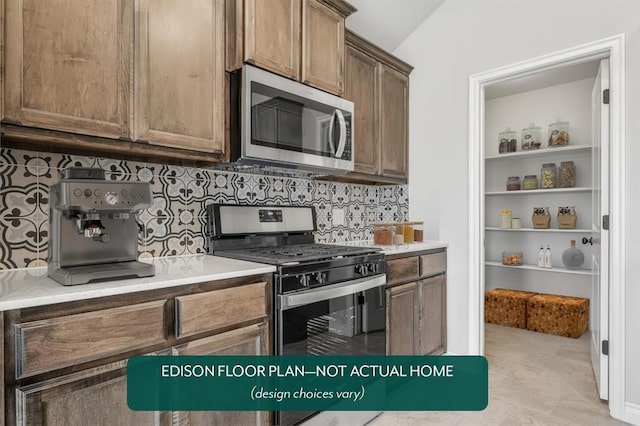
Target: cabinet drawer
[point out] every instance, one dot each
(60, 342)
(197, 313)
(399, 270)
(433, 264)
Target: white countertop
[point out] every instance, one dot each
(23, 288)
(398, 248)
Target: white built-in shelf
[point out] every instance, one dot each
(558, 269)
(539, 191)
(577, 231)
(542, 152)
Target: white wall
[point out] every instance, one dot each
(464, 37)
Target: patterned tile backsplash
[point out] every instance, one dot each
(174, 224)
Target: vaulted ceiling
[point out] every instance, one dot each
(388, 23)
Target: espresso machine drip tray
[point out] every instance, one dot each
(84, 274)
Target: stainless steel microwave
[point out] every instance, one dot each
(280, 122)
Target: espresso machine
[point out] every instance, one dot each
(94, 228)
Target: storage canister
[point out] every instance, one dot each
(383, 234)
(548, 175)
(530, 182)
(567, 175)
(559, 133)
(418, 232)
(398, 238)
(531, 137)
(408, 232)
(513, 183)
(507, 141)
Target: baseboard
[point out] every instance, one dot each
(632, 413)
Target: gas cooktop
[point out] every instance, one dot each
(297, 253)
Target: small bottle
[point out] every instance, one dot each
(541, 257)
(547, 257)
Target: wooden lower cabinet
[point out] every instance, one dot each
(251, 340)
(97, 396)
(433, 304)
(402, 319)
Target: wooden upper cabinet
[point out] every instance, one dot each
(361, 89)
(298, 39)
(378, 84)
(322, 47)
(68, 65)
(272, 35)
(393, 121)
(180, 77)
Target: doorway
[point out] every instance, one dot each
(570, 70)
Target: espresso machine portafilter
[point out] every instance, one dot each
(94, 229)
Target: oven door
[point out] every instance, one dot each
(341, 319)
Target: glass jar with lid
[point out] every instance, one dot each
(559, 133)
(383, 234)
(531, 137)
(530, 182)
(507, 141)
(548, 175)
(418, 232)
(513, 183)
(567, 175)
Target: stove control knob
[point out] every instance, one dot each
(361, 269)
(111, 198)
(303, 280)
(374, 268)
(320, 277)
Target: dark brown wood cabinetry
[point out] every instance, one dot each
(298, 39)
(416, 304)
(378, 84)
(66, 363)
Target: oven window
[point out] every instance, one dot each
(346, 325)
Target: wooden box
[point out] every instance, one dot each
(506, 307)
(559, 315)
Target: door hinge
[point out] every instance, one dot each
(605, 347)
(605, 96)
(605, 222)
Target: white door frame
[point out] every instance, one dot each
(612, 48)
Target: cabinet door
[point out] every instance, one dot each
(251, 340)
(272, 35)
(93, 397)
(433, 315)
(361, 89)
(180, 75)
(68, 65)
(393, 121)
(402, 319)
(322, 47)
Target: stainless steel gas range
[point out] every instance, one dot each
(329, 299)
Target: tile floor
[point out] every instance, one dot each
(534, 379)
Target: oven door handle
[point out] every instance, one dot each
(289, 301)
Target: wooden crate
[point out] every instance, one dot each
(506, 307)
(559, 315)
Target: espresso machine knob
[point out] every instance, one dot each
(111, 198)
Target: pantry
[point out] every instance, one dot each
(544, 174)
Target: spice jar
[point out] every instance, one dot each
(398, 238)
(408, 232)
(531, 138)
(559, 133)
(507, 141)
(530, 182)
(548, 176)
(567, 175)
(383, 234)
(513, 183)
(418, 232)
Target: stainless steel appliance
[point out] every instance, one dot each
(329, 299)
(277, 122)
(94, 231)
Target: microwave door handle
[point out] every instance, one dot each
(332, 123)
(343, 133)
